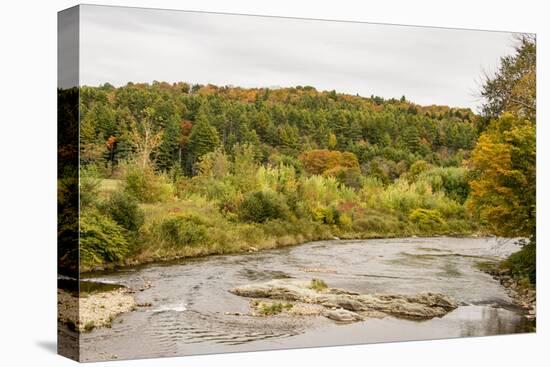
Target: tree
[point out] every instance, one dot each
(332, 141)
(503, 163)
(504, 177)
(203, 138)
(169, 146)
(144, 138)
(323, 161)
(513, 87)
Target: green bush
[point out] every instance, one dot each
(417, 168)
(89, 186)
(523, 263)
(261, 206)
(101, 239)
(125, 210)
(183, 230)
(453, 181)
(426, 218)
(146, 186)
(376, 223)
(317, 285)
(350, 177)
(329, 215)
(269, 309)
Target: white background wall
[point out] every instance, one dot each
(28, 186)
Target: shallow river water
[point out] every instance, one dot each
(190, 298)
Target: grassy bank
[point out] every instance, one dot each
(233, 207)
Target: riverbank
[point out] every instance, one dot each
(520, 291)
(159, 255)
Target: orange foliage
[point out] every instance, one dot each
(111, 143)
(325, 161)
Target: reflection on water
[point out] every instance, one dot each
(73, 286)
(190, 299)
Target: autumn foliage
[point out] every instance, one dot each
(323, 161)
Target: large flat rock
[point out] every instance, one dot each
(420, 306)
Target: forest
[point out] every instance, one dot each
(172, 170)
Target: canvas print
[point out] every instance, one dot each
(234, 183)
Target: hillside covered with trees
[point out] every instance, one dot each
(175, 170)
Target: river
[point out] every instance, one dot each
(190, 298)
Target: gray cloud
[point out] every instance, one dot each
(428, 65)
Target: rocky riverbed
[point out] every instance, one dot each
(93, 310)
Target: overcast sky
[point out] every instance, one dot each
(427, 65)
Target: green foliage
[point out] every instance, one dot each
(145, 185)
(89, 186)
(351, 177)
(260, 206)
(377, 223)
(453, 181)
(426, 218)
(513, 87)
(269, 309)
(102, 240)
(329, 215)
(183, 230)
(203, 138)
(523, 263)
(318, 285)
(124, 209)
(417, 168)
(167, 155)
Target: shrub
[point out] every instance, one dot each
(89, 326)
(101, 239)
(318, 285)
(89, 186)
(523, 263)
(418, 168)
(146, 186)
(124, 209)
(268, 309)
(453, 181)
(345, 221)
(261, 206)
(183, 230)
(329, 215)
(276, 160)
(426, 218)
(376, 223)
(350, 177)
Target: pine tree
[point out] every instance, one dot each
(203, 138)
(168, 149)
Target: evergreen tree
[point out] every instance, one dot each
(203, 138)
(169, 146)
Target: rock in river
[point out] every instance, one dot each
(421, 306)
(343, 315)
